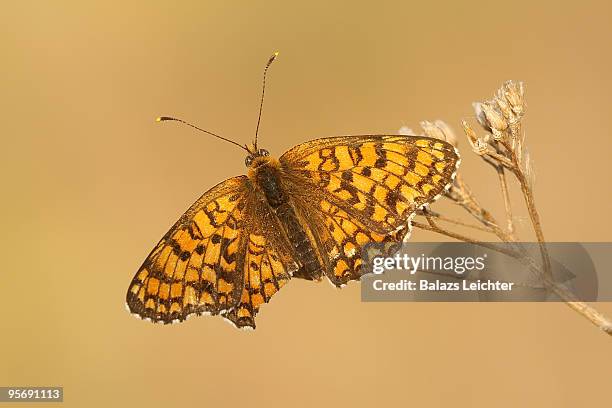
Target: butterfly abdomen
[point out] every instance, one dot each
(267, 177)
(302, 246)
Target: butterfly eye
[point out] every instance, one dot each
(248, 160)
(263, 152)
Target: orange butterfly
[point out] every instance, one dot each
(307, 215)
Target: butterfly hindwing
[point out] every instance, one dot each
(268, 263)
(345, 239)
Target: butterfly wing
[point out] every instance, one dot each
(268, 262)
(355, 190)
(207, 261)
(341, 238)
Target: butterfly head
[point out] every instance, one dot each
(256, 156)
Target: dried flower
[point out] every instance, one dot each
(514, 93)
(406, 131)
(439, 130)
(479, 145)
(481, 117)
(504, 107)
(491, 118)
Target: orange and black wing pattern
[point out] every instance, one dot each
(356, 190)
(269, 262)
(214, 260)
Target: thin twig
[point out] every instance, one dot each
(584, 309)
(458, 222)
(462, 195)
(531, 208)
(568, 297)
(501, 173)
(501, 159)
(464, 238)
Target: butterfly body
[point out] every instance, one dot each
(308, 214)
(267, 174)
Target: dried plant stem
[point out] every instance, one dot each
(501, 174)
(520, 254)
(462, 195)
(568, 297)
(501, 159)
(458, 222)
(435, 228)
(531, 208)
(535, 221)
(584, 309)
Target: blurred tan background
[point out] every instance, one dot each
(90, 183)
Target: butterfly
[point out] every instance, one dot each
(307, 215)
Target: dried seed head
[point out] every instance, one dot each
(504, 107)
(479, 145)
(514, 93)
(406, 131)
(439, 130)
(480, 116)
(431, 130)
(449, 133)
(494, 119)
(467, 129)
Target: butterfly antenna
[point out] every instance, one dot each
(168, 118)
(263, 91)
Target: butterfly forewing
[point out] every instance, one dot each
(378, 179)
